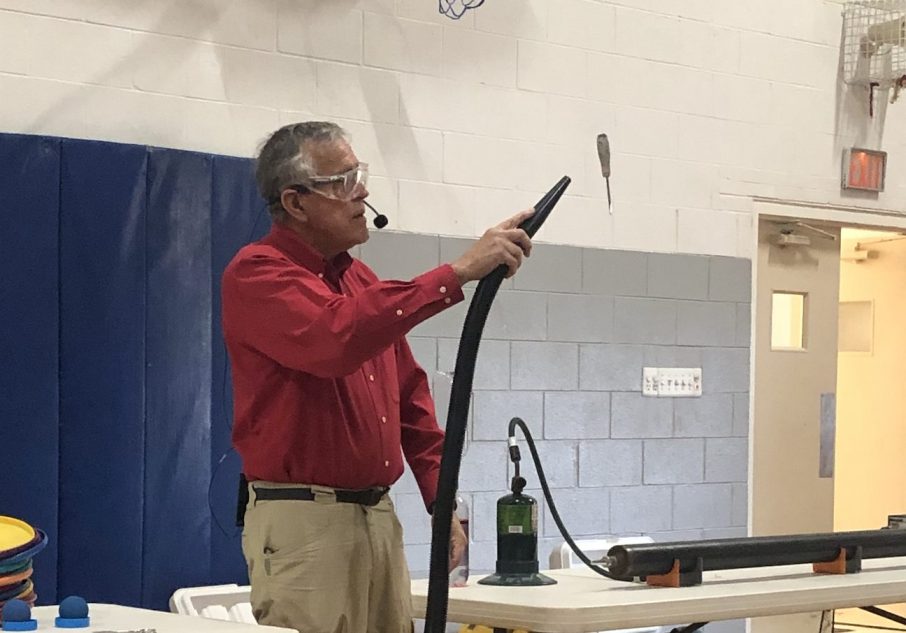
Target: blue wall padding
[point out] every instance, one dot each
(29, 332)
(238, 216)
(113, 408)
(102, 369)
(178, 373)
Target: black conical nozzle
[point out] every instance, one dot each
(544, 207)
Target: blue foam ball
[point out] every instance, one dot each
(74, 608)
(73, 613)
(16, 611)
(16, 616)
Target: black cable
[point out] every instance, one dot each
(211, 500)
(514, 455)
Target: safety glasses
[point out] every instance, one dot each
(345, 186)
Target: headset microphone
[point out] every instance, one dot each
(380, 220)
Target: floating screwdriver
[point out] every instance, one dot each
(604, 157)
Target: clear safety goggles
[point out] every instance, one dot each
(345, 186)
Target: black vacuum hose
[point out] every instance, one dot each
(457, 417)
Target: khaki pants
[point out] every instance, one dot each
(326, 567)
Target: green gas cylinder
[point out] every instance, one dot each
(517, 540)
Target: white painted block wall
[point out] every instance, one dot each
(707, 103)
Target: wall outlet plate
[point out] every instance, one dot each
(672, 382)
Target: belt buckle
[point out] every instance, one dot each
(375, 495)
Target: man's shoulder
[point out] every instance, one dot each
(255, 252)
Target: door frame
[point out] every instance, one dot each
(764, 208)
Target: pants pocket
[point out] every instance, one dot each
(293, 532)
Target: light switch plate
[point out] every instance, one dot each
(672, 382)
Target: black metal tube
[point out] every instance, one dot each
(884, 613)
(629, 561)
(457, 416)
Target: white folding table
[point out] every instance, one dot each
(112, 617)
(583, 601)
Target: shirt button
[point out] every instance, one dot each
(386, 464)
(447, 300)
(399, 313)
(443, 289)
(320, 275)
(371, 377)
(384, 419)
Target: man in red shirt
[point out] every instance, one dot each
(327, 394)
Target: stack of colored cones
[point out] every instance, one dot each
(19, 542)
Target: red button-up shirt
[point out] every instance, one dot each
(325, 388)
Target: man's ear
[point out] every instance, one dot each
(292, 204)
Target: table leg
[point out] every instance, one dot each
(885, 614)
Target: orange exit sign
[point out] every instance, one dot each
(864, 169)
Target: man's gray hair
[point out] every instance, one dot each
(285, 159)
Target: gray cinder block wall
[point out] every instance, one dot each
(564, 348)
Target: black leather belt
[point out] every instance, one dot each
(369, 497)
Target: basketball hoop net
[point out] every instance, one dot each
(455, 9)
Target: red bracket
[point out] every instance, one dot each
(677, 578)
(841, 564)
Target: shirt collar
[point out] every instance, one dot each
(305, 255)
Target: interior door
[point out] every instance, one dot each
(797, 289)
